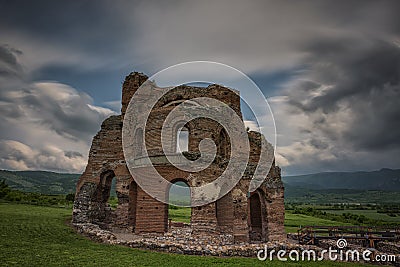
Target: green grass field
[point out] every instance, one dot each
(372, 214)
(180, 214)
(292, 221)
(39, 236)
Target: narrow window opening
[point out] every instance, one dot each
(182, 142)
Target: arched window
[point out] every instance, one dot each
(182, 140)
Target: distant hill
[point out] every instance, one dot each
(294, 194)
(382, 180)
(381, 186)
(40, 181)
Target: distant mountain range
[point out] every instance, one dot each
(378, 187)
(328, 187)
(40, 181)
(383, 180)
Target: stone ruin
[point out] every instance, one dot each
(246, 217)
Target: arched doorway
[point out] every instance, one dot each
(178, 196)
(256, 218)
(107, 202)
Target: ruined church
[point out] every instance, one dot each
(246, 216)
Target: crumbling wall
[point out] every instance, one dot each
(106, 162)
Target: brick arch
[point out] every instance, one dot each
(178, 102)
(180, 179)
(172, 96)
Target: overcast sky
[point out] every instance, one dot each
(330, 71)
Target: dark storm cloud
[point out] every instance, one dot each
(41, 120)
(57, 106)
(318, 144)
(93, 26)
(66, 112)
(344, 52)
(8, 61)
(7, 56)
(356, 81)
(72, 154)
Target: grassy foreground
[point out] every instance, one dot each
(38, 236)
